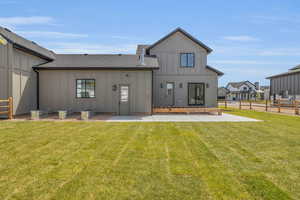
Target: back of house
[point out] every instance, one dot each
(172, 72)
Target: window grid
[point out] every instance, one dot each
(187, 59)
(85, 88)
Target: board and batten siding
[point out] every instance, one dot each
(17, 79)
(168, 54)
(290, 83)
(5, 70)
(57, 90)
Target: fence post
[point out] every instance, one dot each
(279, 109)
(266, 105)
(250, 105)
(296, 107)
(10, 108)
(225, 103)
(240, 106)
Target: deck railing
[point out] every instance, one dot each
(6, 107)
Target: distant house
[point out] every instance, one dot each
(223, 92)
(244, 90)
(263, 93)
(286, 85)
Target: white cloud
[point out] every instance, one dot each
(49, 34)
(281, 52)
(262, 19)
(13, 21)
(241, 38)
(249, 62)
(78, 48)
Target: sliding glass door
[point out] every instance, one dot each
(196, 94)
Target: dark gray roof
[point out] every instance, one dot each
(238, 84)
(99, 61)
(140, 47)
(209, 50)
(22, 43)
(219, 73)
(294, 71)
(224, 88)
(297, 67)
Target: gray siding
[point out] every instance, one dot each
(24, 81)
(168, 53)
(57, 90)
(4, 71)
(290, 83)
(17, 78)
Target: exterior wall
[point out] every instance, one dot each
(24, 81)
(58, 90)
(17, 78)
(289, 84)
(168, 54)
(5, 60)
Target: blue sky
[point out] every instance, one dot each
(252, 39)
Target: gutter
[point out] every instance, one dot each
(36, 70)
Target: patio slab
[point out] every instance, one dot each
(182, 118)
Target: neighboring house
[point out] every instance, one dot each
(286, 85)
(223, 93)
(244, 90)
(263, 93)
(172, 72)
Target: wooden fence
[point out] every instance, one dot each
(267, 105)
(6, 107)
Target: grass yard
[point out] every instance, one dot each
(95, 160)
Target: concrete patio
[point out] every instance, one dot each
(182, 118)
(147, 118)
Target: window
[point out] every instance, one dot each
(187, 60)
(196, 93)
(85, 88)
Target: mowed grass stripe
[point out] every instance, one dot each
(42, 162)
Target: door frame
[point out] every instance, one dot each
(188, 91)
(173, 97)
(119, 98)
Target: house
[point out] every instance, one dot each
(286, 85)
(171, 72)
(244, 90)
(223, 93)
(263, 92)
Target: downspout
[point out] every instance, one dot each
(35, 69)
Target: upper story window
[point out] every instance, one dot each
(85, 88)
(187, 59)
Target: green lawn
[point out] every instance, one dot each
(95, 160)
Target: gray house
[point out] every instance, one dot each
(172, 72)
(286, 85)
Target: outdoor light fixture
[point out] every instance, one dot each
(180, 85)
(207, 85)
(161, 85)
(114, 87)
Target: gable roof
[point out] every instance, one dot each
(209, 50)
(24, 44)
(219, 73)
(238, 84)
(99, 61)
(224, 88)
(293, 70)
(297, 67)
